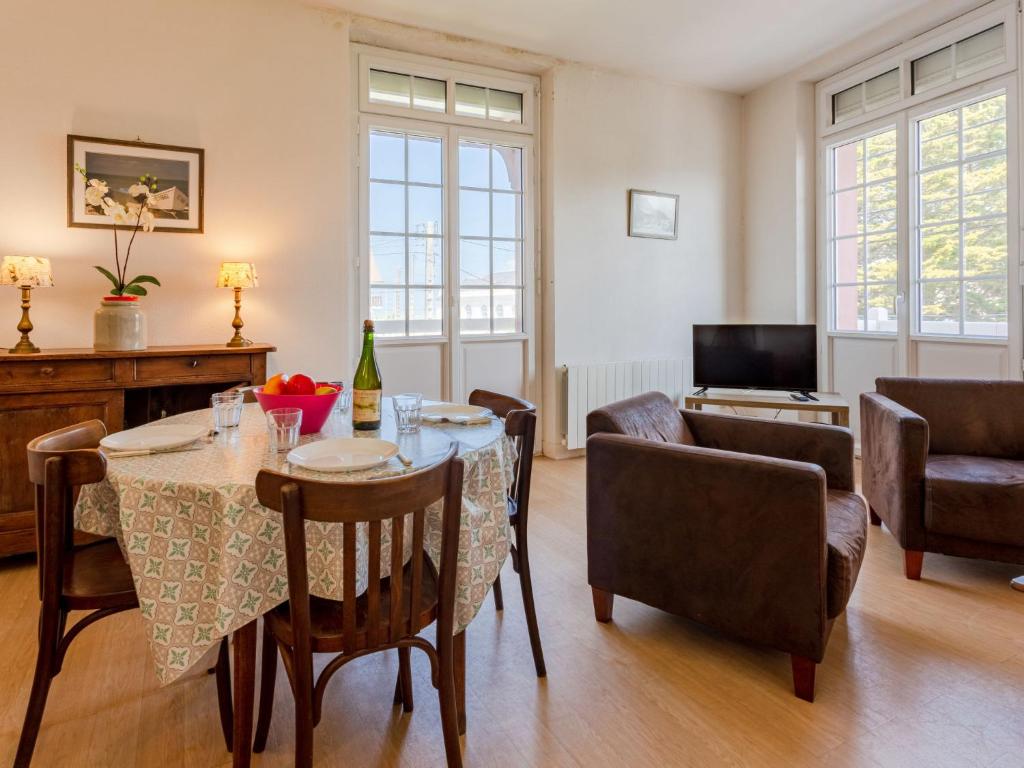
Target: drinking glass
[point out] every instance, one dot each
(284, 424)
(227, 409)
(341, 405)
(407, 411)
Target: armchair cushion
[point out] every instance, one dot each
(975, 497)
(847, 538)
(650, 416)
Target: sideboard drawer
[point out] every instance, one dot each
(199, 366)
(33, 373)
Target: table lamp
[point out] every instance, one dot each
(238, 275)
(26, 273)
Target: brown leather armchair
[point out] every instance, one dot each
(746, 525)
(943, 463)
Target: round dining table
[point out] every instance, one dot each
(208, 559)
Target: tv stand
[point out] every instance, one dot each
(820, 402)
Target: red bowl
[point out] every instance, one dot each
(315, 408)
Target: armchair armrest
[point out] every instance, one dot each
(831, 448)
(894, 453)
(730, 540)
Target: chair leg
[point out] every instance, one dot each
(403, 685)
(875, 519)
(526, 584)
(50, 624)
(459, 673)
(913, 560)
(603, 602)
(499, 602)
(268, 677)
(223, 672)
(803, 677)
(446, 697)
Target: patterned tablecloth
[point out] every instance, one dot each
(208, 558)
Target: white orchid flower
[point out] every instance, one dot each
(94, 196)
(100, 185)
(138, 190)
(148, 221)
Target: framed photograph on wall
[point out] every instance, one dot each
(653, 214)
(177, 173)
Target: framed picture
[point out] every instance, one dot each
(653, 214)
(177, 173)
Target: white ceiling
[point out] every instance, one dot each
(733, 45)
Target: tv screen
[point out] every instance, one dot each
(756, 356)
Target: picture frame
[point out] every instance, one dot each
(653, 215)
(179, 172)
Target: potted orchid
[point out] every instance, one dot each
(119, 323)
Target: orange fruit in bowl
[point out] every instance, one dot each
(276, 384)
(325, 390)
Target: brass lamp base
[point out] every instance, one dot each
(237, 340)
(25, 346)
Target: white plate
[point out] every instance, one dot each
(154, 437)
(455, 413)
(342, 454)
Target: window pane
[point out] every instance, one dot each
(475, 311)
(939, 125)
(849, 260)
(848, 103)
(850, 308)
(474, 262)
(506, 165)
(985, 249)
(940, 252)
(425, 159)
(387, 207)
(980, 51)
(425, 204)
(389, 88)
(883, 89)
(881, 308)
(470, 101)
(849, 212)
(881, 156)
(425, 309)
(985, 203)
(474, 213)
(387, 310)
(426, 260)
(429, 94)
(387, 260)
(981, 175)
(505, 106)
(506, 215)
(990, 137)
(848, 166)
(940, 307)
(933, 70)
(506, 256)
(985, 313)
(941, 150)
(507, 310)
(984, 111)
(473, 165)
(881, 206)
(387, 156)
(881, 258)
(940, 192)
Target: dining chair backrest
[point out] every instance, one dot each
(246, 390)
(370, 503)
(521, 425)
(58, 463)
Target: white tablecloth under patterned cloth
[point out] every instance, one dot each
(208, 558)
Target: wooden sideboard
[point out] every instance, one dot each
(58, 387)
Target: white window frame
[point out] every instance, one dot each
(423, 66)
(903, 56)
(1007, 85)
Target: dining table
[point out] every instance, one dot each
(208, 559)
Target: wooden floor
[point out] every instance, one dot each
(917, 674)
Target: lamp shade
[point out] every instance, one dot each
(238, 274)
(26, 272)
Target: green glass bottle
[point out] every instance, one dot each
(366, 386)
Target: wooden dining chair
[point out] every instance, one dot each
(520, 424)
(93, 577)
(398, 603)
(246, 390)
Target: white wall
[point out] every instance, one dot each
(262, 86)
(611, 297)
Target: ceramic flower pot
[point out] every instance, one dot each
(119, 324)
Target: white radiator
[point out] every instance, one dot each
(590, 386)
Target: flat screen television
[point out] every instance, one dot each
(756, 356)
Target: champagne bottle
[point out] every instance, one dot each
(366, 386)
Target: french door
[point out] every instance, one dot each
(921, 241)
(447, 256)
